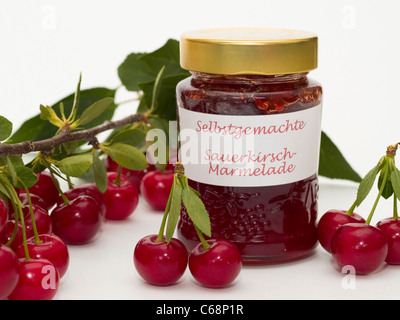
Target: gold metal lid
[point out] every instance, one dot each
(249, 51)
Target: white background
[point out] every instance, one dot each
(45, 44)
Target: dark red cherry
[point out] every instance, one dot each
(88, 189)
(9, 271)
(121, 198)
(330, 222)
(3, 215)
(217, 266)
(156, 187)
(361, 246)
(45, 188)
(391, 228)
(77, 222)
(49, 247)
(38, 280)
(158, 262)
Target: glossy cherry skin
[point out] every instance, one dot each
(158, 262)
(35, 199)
(89, 189)
(43, 222)
(216, 267)
(330, 222)
(391, 228)
(3, 214)
(51, 248)
(120, 199)
(45, 189)
(361, 246)
(9, 271)
(38, 280)
(135, 176)
(8, 233)
(156, 187)
(77, 222)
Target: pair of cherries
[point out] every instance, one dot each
(153, 184)
(161, 263)
(353, 242)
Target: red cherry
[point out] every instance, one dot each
(135, 176)
(359, 245)
(217, 266)
(121, 199)
(38, 280)
(51, 248)
(158, 262)
(42, 218)
(35, 199)
(330, 222)
(391, 228)
(156, 187)
(45, 189)
(89, 189)
(3, 214)
(9, 271)
(77, 222)
(8, 233)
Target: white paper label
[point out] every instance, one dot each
(262, 150)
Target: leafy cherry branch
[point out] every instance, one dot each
(64, 135)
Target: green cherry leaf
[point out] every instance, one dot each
(133, 70)
(332, 163)
(12, 172)
(27, 176)
(175, 209)
(132, 136)
(388, 187)
(395, 178)
(100, 174)
(6, 128)
(76, 166)
(127, 156)
(368, 181)
(95, 110)
(168, 55)
(196, 211)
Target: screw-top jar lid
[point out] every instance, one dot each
(249, 51)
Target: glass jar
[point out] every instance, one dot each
(249, 123)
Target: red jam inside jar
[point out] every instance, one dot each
(270, 221)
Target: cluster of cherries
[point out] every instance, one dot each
(59, 219)
(354, 242)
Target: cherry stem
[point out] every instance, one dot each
(350, 211)
(160, 237)
(385, 177)
(63, 196)
(395, 213)
(203, 241)
(37, 239)
(18, 212)
(117, 180)
(70, 184)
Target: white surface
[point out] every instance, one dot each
(104, 269)
(46, 43)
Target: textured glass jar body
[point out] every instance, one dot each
(271, 223)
